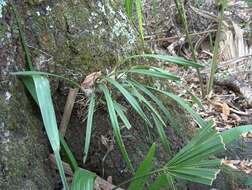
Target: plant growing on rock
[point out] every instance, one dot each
(190, 163)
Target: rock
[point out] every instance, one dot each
(23, 145)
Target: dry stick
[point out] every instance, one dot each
(99, 184)
(182, 14)
(216, 50)
(68, 110)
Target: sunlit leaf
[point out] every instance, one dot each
(172, 59)
(43, 94)
(154, 72)
(128, 7)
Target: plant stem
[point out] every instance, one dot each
(181, 10)
(216, 49)
(139, 177)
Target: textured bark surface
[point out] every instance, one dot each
(70, 37)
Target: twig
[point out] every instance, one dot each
(68, 110)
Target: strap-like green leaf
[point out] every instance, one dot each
(128, 7)
(153, 71)
(69, 155)
(184, 105)
(83, 180)
(173, 59)
(89, 126)
(145, 167)
(43, 95)
(133, 102)
(156, 100)
(121, 114)
(139, 17)
(162, 135)
(33, 73)
(115, 125)
(159, 122)
(234, 133)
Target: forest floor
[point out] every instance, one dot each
(230, 102)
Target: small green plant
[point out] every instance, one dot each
(138, 5)
(215, 59)
(183, 17)
(190, 163)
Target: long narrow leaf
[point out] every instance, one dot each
(157, 101)
(145, 167)
(234, 133)
(128, 7)
(120, 113)
(153, 71)
(22, 36)
(157, 119)
(43, 94)
(173, 59)
(33, 73)
(89, 126)
(83, 180)
(130, 99)
(115, 125)
(70, 157)
(139, 17)
(184, 105)
(162, 135)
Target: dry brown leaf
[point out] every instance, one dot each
(90, 79)
(225, 111)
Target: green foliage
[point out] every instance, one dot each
(183, 17)
(83, 180)
(145, 167)
(192, 162)
(115, 125)
(39, 88)
(138, 6)
(168, 58)
(89, 125)
(216, 48)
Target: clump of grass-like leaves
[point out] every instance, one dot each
(190, 163)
